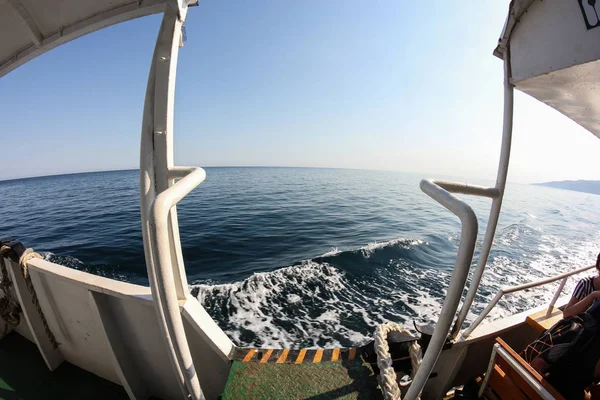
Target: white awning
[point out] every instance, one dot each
(515, 10)
(29, 28)
(555, 55)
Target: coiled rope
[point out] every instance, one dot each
(389, 383)
(9, 307)
(27, 255)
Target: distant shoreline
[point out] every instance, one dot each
(592, 187)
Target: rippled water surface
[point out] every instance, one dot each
(306, 257)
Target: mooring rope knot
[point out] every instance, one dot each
(389, 383)
(27, 255)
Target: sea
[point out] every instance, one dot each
(306, 257)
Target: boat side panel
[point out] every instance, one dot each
(478, 352)
(212, 365)
(110, 329)
(70, 317)
(138, 329)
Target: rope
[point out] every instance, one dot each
(389, 383)
(27, 255)
(9, 307)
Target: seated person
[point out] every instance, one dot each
(568, 354)
(585, 293)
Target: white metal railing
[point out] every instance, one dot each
(488, 239)
(440, 191)
(159, 193)
(518, 288)
(462, 264)
(163, 283)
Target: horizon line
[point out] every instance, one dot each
(208, 166)
(425, 175)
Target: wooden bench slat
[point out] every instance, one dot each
(504, 387)
(530, 370)
(540, 322)
(518, 379)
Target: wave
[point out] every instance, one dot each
(336, 299)
(105, 270)
(339, 298)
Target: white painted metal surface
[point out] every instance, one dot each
(519, 288)
(29, 28)
(464, 257)
(110, 329)
(159, 193)
(552, 35)
(572, 91)
(557, 294)
(488, 372)
(496, 193)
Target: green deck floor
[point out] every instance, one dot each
(321, 381)
(24, 375)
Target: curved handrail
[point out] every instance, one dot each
(462, 264)
(159, 193)
(463, 188)
(488, 239)
(163, 282)
(518, 288)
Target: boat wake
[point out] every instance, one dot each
(339, 298)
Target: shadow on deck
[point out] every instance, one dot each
(24, 376)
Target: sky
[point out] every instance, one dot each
(386, 85)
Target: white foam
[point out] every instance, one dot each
(319, 309)
(316, 304)
(333, 252)
(405, 243)
(255, 303)
(294, 298)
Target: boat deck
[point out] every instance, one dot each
(24, 375)
(320, 381)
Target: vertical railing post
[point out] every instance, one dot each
(559, 290)
(162, 247)
(460, 272)
(488, 239)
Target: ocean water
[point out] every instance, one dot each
(307, 257)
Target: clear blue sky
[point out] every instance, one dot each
(409, 86)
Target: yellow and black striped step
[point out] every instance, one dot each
(287, 356)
